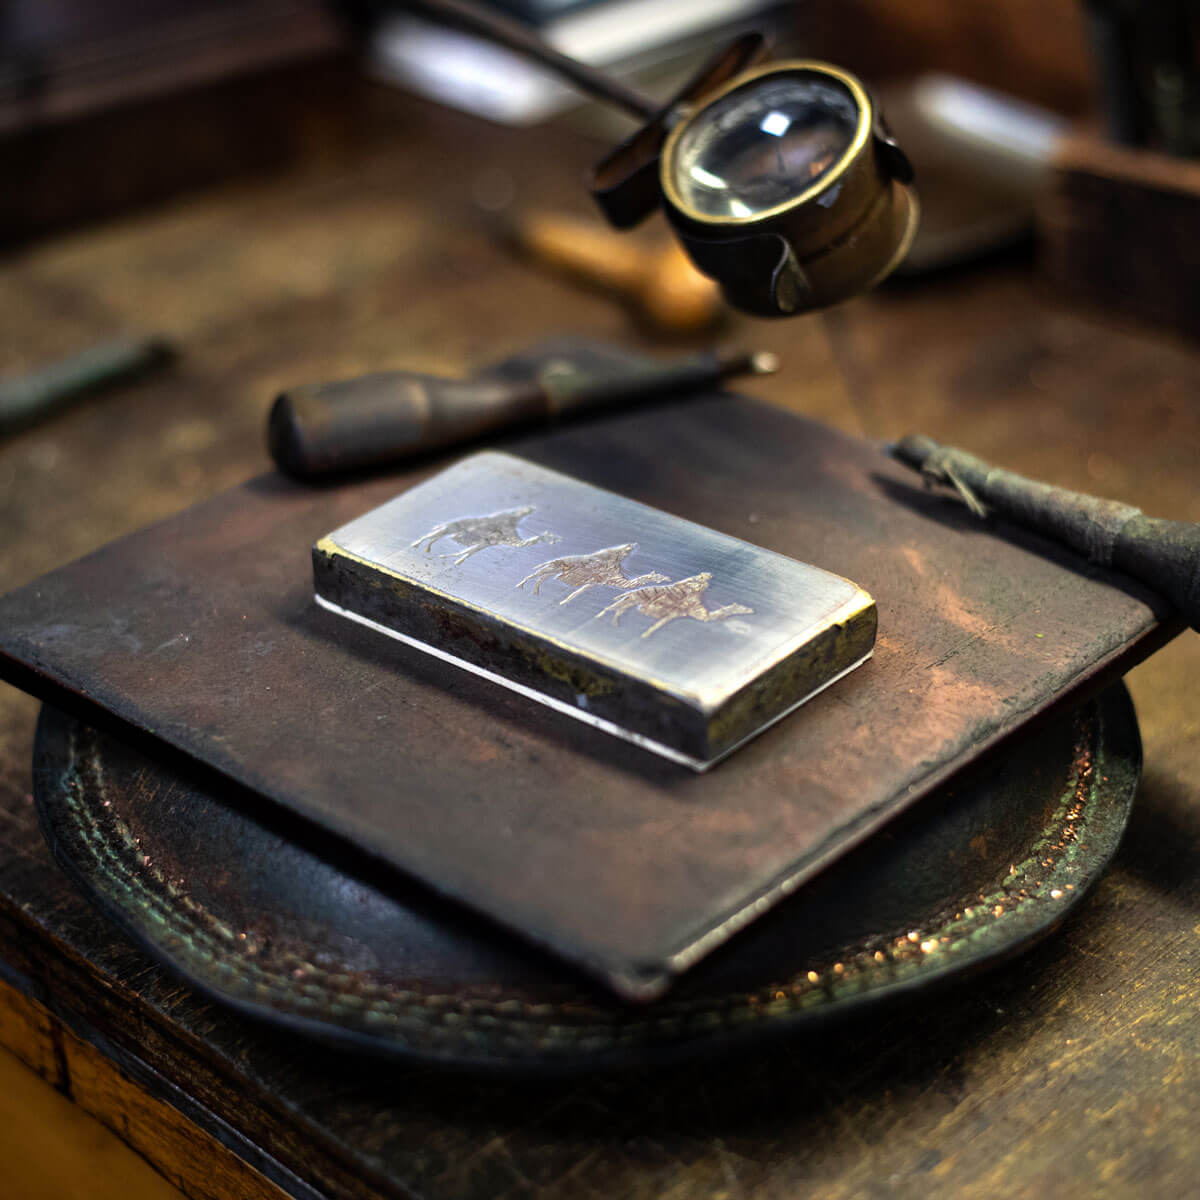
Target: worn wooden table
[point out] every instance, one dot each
(1073, 1070)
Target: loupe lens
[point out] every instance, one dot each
(764, 144)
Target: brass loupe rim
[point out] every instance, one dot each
(860, 141)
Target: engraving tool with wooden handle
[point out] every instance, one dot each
(334, 428)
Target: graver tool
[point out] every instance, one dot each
(675, 637)
(331, 428)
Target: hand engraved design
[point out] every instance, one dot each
(675, 600)
(601, 568)
(478, 533)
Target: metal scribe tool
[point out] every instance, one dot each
(333, 428)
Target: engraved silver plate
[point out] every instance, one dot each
(678, 638)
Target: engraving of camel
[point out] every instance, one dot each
(669, 603)
(601, 568)
(479, 533)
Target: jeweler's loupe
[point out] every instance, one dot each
(781, 181)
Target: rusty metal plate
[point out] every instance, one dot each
(259, 917)
(681, 640)
(201, 636)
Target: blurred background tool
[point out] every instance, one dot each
(984, 159)
(653, 43)
(1164, 555)
(335, 428)
(38, 394)
(655, 280)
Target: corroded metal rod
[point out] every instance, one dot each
(38, 394)
(1164, 555)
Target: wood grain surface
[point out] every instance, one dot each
(1072, 1072)
(77, 1079)
(65, 1154)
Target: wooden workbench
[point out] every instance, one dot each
(1073, 1070)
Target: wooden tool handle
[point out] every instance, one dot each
(331, 428)
(660, 284)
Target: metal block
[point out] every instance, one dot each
(680, 639)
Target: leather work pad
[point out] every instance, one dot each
(201, 634)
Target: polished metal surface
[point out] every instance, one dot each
(672, 635)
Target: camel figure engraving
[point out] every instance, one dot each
(601, 568)
(679, 599)
(479, 533)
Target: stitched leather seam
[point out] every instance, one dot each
(456, 1017)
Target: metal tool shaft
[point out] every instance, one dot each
(333, 428)
(38, 394)
(515, 36)
(1165, 555)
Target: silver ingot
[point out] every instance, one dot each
(680, 639)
